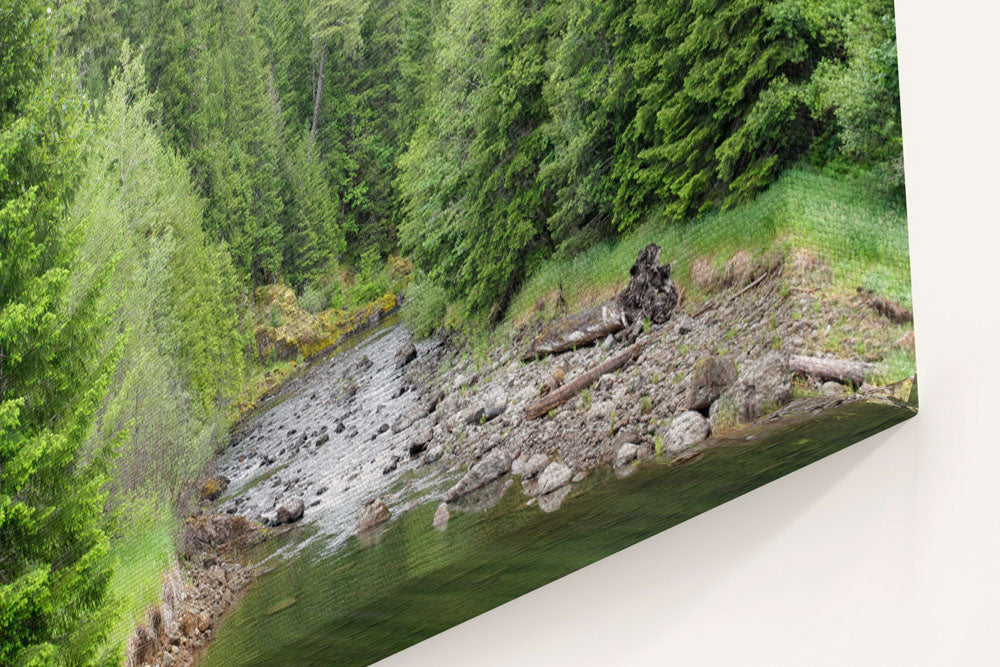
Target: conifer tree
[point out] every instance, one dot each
(54, 572)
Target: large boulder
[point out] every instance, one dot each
(530, 466)
(290, 512)
(492, 466)
(406, 354)
(554, 476)
(763, 386)
(687, 429)
(711, 376)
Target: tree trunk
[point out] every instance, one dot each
(841, 370)
(560, 396)
(649, 294)
(319, 90)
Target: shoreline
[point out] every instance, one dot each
(471, 415)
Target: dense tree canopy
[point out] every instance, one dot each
(53, 567)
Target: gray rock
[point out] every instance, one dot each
(832, 389)
(483, 415)
(493, 465)
(290, 512)
(685, 324)
(687, 429)
(711, 376)
(531, 466)
(763, 385)
(441, 517)
(601, 410)
(554, 476)
(609, 343)
(405, 355)
(627, 453)
(435, 453)
(420, 440)
(627, 436)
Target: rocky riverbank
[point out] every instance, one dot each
(711, 369)
(207, 579)
(359, 437)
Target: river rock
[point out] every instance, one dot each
(420, 440)
(483, 415)
(687, 428)
(627, 436)
(711, 376)
(554, 476)
(373, 514)
(290, 512)
(832, 389)
(763, 385)
(529, 467)
(441, 517)
(601, 410)
(406, 354)
(493, 465)
(434, 453)
(627, 453)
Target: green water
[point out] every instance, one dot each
(366, 602)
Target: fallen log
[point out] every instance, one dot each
(840, 370)
(579, 330)
(556, 398)
(650, 294)
(886, 308)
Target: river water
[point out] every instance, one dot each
(331, 598)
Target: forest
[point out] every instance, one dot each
(164, 163)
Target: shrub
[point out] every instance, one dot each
(313, 299)
(424, 308)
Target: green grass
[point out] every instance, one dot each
(844, 222)
(142, 555)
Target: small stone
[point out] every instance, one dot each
(609, 343)
(435, 453)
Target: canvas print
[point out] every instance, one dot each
(327, 325)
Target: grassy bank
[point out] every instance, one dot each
(143, 552)
(846, 223)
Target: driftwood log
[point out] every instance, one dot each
(558, 397)
(886, 308)
(841, 370)
(649, 294)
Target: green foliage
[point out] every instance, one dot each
(173, 302)
(424, 308)
(54, 569)
(662, 108)
(848, 223)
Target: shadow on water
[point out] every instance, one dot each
(366, 602)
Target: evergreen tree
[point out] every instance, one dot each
(173, 308)
(54, 572)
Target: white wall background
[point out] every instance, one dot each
(887, 553)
